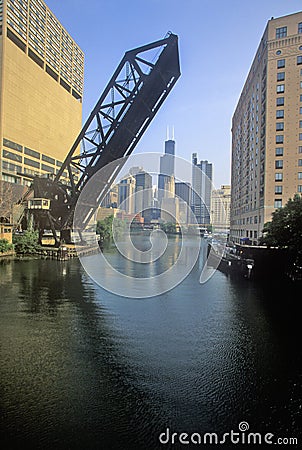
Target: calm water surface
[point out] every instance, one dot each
(84, 369)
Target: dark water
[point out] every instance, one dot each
(84, 369)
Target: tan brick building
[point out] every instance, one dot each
(220, 209)
(41, 85)
(267, 130)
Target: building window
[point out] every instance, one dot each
(300, 136)
(279, 151)
(299, 59)
(279, 164)
(280, 63)
(47, 168)
(280, 101)
(278, 176)
(300, 109)
(280, 88)
(281, 32)
(300, 188)
(278, 189)
(299, 27)
(48, 159)
(279, 126)
(12, 156)
(299, 175)
(30, 152)
(280, 113)
(11, 167)
(280, 76)
(300, 149)
(11, 179)
(278, 204)
(32, 163)
(13, 145)
(279, 139)
(300, 162)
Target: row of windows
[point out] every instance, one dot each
(281, 32)
(280, 137)
(249, 220)
(28, 151)
(280, 125)
(281, 62)
(279, 189)
(279, 162)
(280, 113)
(21, 28)
(279, 175)
(74, 81)
(280, 102)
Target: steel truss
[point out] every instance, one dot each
(137, 89)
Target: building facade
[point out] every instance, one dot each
(126, 191)
(221, 205)
(167, 168)
(184, 192)
(143, 195)
(202, 173)
(267, 130)
(41, 85)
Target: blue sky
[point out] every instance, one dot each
(217, 42)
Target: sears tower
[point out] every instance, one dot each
(167, 167)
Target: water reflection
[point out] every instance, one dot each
(82, 368)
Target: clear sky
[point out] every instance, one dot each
(217, 42)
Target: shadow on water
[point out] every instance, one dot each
(63, 379)
(85, 369)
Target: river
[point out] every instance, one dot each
(82, 368)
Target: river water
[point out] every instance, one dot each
(82, 368)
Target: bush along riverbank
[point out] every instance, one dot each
(26, 245)
(6, 249)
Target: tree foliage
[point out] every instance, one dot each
(104, 228)
(5, 246)
(26, 243)
(285, 229)
(169, 227)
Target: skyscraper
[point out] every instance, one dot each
(220, 209)
(143, 194)
(201, 190)
(126, 190)
(183, 190)
(267, 130)
(41, 85)
(167, 167)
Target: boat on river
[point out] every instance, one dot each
(226, 259)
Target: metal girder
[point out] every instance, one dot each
(134, 94)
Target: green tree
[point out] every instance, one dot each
(26, 243)
(169, 227)
(5, 246)
(285, 229)
(104, 228)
